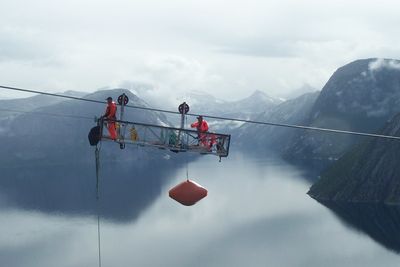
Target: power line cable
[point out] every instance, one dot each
(216, 117)
(306, 127)
(82, 99)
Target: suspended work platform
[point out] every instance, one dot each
(164, 137)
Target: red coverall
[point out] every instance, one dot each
(202, 127)
(111, 110)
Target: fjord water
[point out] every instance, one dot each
(256, 213)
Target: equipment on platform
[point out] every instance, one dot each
(163, 137)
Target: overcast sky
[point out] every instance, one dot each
(168, 47)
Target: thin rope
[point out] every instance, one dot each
(187, 155)
(99, 237)
(97, 154)
(216, 117)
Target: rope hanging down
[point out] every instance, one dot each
(97, 155)
(216, 117)
(187, 155)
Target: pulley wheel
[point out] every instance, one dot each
(124, 98)
(183, 108)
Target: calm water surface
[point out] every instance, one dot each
(257, 213)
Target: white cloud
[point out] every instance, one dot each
(165, 81)
(226, 49)
(381, 63)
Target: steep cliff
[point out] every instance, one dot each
(368, 173)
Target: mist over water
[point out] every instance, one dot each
(256, 213)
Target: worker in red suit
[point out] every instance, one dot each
(110, 115)
(202, 127)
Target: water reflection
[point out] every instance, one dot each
(379, 221)
(125, 189)
(256, 214)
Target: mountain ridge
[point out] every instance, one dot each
(359, 96)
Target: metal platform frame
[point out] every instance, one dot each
(171, 138)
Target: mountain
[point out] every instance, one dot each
(256, 103)
(247, 108)
(360, 96)
(262, 138)
(368, 173)
(48, 164)
(44, 132)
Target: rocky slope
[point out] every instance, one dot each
(368, 173)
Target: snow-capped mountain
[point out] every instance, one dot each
(256, 103)
(247, 108)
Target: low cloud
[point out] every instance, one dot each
(165, 81)
(381, 63)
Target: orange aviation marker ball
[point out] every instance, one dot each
(188, 193)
